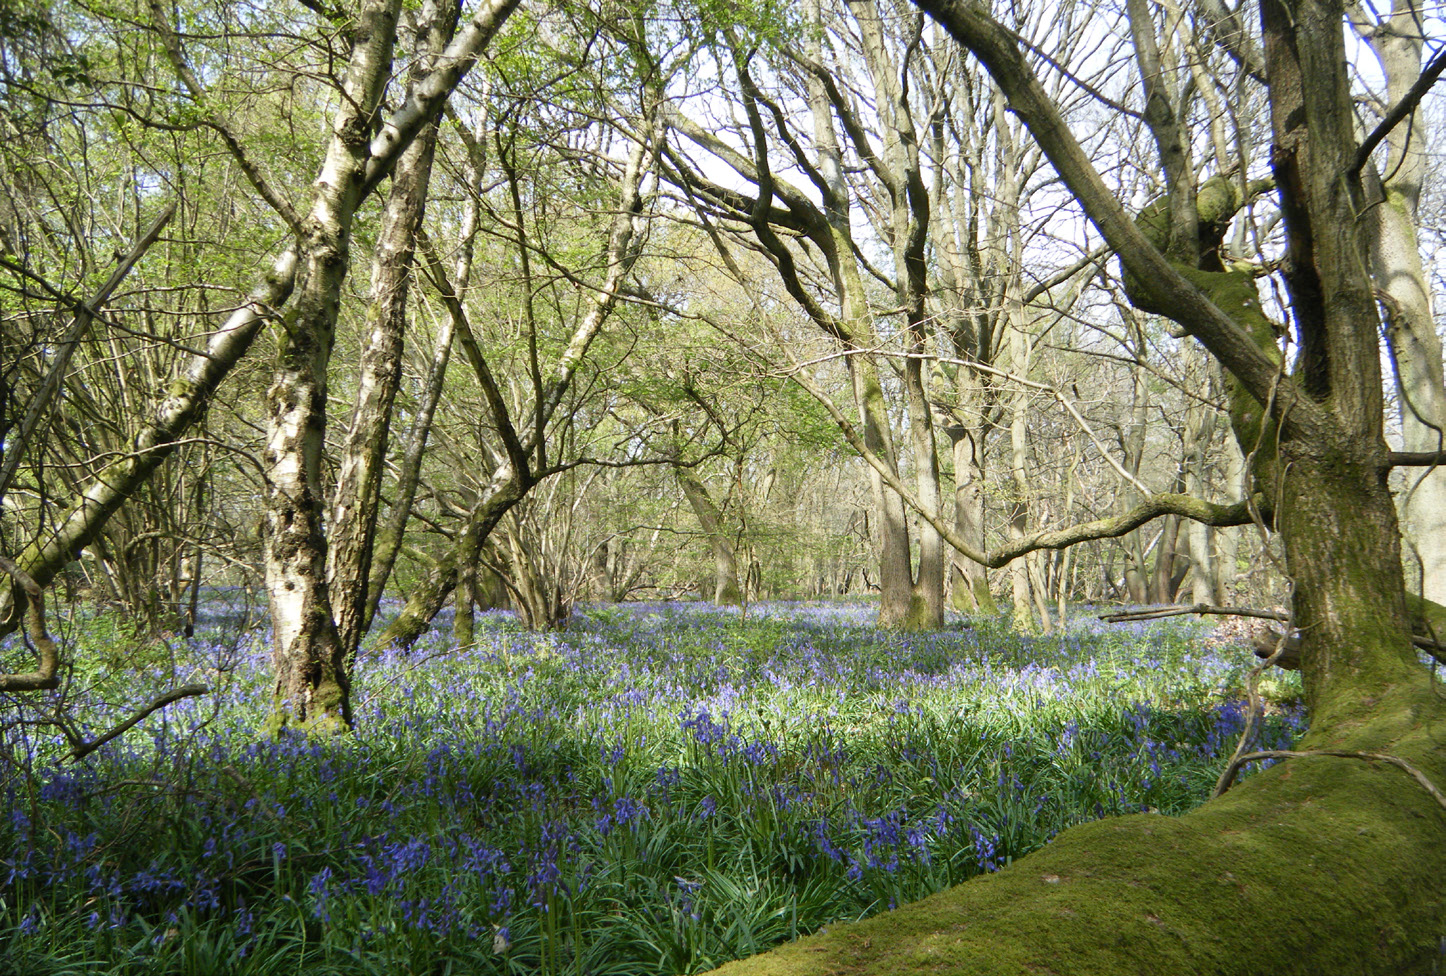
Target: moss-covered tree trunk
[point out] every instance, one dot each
(1334, 861)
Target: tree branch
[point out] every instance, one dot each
(1150, 509)
(46, 674)
(81, 749)
(1166, 284)
(1429, 76)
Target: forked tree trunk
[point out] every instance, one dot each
(356, 499)
(311, 689)
(971, 582)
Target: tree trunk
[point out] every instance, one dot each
(430, 594)
(1395, 261)
(1134, 451)
(726, 589)
(356, 500)
(464, 597)
(971, 581)
(311, 686)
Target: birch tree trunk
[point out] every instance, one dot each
(357, 496)
(312, 686)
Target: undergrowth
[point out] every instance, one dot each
(658, 790)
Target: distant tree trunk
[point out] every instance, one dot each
(1169, 566)
(464, 597)
(1227, 540)
(971, 581)
(1136, 581)
(1395, 262)
(532, 577)
(856, 331)
(1199, 434)
(910, 212)
(430, 594)
(1025, 619)
(726, 591)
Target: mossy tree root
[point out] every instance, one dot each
(1319, 865)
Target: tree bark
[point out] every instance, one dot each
(1395, 261)
(311, 689)
(356, 498)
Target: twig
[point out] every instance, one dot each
(85, 313)
(1257, 709)
(1228, 777)
(1429, 76)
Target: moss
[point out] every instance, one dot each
(1316, 866)
(919, 615)
(729, 595)
(181, 387)
(1218, 200)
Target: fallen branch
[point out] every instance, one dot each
(1154, 613)
(1267, 642)
(47, 673)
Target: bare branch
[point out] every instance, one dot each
(46, 674)
(85, 748)
(1429, 76)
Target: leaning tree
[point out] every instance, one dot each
(1332, 861)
